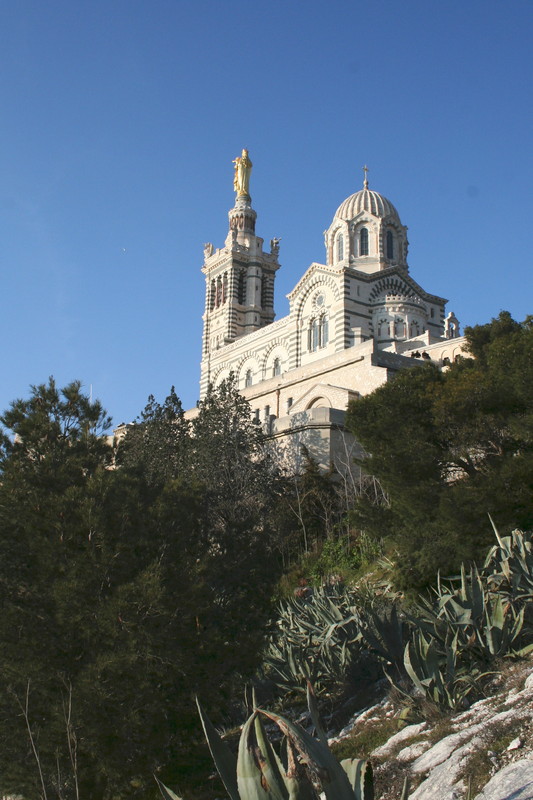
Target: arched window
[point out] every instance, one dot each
(248, 378)
(390, 245)
(224, 287)
(363, 242)
(212, 294)
(340, 247)
(242, 287)
(276, 368)
(315, 334)
(219, 292)
(324, 331)
(383, 328)
(264, 290)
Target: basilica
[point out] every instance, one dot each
(354, 321)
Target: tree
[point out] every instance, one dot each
(157, 443)
(55, 447)
(127, 591)
(229, 453)
(449, 448)
(56, 436)
(225, 462)
(101, 587)
(230, 459)
(310, 511)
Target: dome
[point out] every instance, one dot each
(366, 233)
(366, 200)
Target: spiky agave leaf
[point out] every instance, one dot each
(384, 634)
(225, 761)
(167, 793)
(258, 774)
(361, 777)
(319, 760)
(315, 714)
(495, 529)
(296, 782)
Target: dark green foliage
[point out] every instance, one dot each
(56, 437)
(125, 591)
(336, 558)
(449, 448)
(314, 538)
(96, 614)
(157, 444)
(221, 456)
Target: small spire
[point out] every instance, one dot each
(365, 182)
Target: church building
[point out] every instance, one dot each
(354, 321)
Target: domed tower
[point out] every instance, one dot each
(366, 244)
(366, 234)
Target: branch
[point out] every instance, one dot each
(25, 713)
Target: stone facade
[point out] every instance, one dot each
(353, 323)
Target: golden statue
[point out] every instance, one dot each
(241, 180)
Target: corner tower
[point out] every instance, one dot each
(239, 277)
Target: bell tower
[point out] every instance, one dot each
(239, 278)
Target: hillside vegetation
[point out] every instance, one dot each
(127, 591)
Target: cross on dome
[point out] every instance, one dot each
(365, 182)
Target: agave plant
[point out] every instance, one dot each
(306, 769)
(437, 673)
(385, 634)
(469, 621)
(483, 622)
(508, 566)
(502, 626)
(316, 639)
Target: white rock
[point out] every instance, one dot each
(442, 782)
(478, 710)
(528, 684)
(406, 733)
(440, 752)
(516, 744)
(355, 720)
(513, 782)
(413, 751)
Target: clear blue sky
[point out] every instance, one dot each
(120, 119)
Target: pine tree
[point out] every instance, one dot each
(126, 591)
(450, 448)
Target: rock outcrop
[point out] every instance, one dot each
(483, 753)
